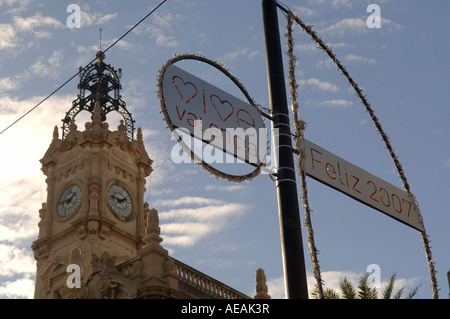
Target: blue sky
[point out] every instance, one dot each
(224, 229)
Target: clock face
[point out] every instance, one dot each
(120, 202)
(69, 200)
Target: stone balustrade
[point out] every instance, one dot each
(203, 284)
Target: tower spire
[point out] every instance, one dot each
(100, 42)
(99, 82)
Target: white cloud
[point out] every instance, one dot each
(303, 11)
(21, 5)
(341, 4)
(43, 67)
(305, 47)
(339, 103)
(159, 29)
(359, 59)
(341, 45)
(184, 227)
(185, 234)
(321, 85)
(187, 200)
(15, 261)
(163, 20)
(354, 26)
(9, 84)
(7, 36)
(210, 213)
(18, 224)
(232, 56)
(165, 40)
(17, 265)
(49, 68)
(124, 44)
(276, 288)
(390, 25)
(90, 17)
(349, 58)
(106, 18)
(20, 288)
(230, 188)
(324, 64)
(348, 26)
(22, 181)
(35, 24)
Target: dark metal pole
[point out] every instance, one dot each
(448, 278)
(288, 208)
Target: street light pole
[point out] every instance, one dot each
(288, 208)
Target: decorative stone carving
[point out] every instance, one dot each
(104, 231)
(40, 252)
(261, 286)
(97, 129)
(105, 281)
(92, 230)
(41, 223)
(93, 224)
(82, 231)
(104, 264)
(55, 133)
(75, 256)
(153, 230)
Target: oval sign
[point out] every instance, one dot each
(194, 107)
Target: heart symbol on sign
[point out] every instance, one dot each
(224, 114)
(188, 89)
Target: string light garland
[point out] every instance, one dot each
(298, 123)
(219, 66)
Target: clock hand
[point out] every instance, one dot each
(114, 197)
(69, 200)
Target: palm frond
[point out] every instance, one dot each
(365, 290)
(330, 294)
(389, 288)
(347, 289)
(399, 293)
(315, 293)
(414, 291)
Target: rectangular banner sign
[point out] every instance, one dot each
(214, 116)
(359, 184)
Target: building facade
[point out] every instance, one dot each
(95, 216)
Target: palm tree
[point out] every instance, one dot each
(388, 289)
(364, 290)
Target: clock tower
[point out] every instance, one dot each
(95, 185)
(97, 237)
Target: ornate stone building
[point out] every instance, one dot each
(95, 216)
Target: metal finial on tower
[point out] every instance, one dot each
(100, 82)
